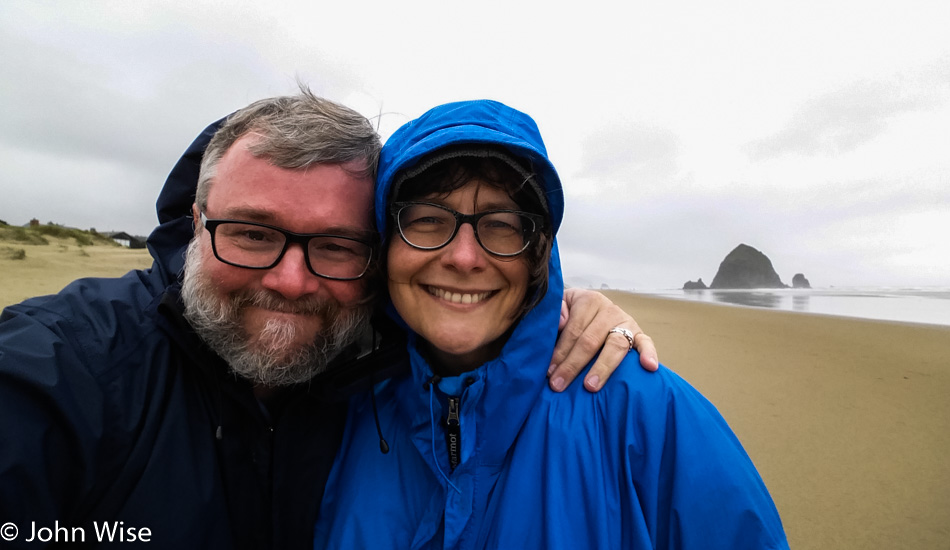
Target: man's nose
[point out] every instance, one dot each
(291, 277)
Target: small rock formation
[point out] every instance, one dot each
(799, 281)
(698, 285)
(746, 267)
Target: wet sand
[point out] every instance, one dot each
(847, 420)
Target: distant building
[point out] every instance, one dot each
(126, 240)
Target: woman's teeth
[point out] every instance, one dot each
(457, 298)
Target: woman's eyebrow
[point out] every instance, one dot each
(480, 206)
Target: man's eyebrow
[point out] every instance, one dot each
(250, 214)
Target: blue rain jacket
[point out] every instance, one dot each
(647, 462)
(112, 410)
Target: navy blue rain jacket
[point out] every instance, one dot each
(112, 410)
(647, 462)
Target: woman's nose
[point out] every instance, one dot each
(464, 252)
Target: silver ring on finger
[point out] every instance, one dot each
(626, 334)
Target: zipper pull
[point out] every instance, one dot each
(453, 432)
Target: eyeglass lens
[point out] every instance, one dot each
(255, 246)
(429, 226)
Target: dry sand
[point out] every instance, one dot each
(46, 269)
(848, 421)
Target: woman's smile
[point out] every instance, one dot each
(457, 297)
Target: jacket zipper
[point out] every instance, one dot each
(453, 432)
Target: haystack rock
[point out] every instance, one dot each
(746, 267)
(799, 281)
(697, 285)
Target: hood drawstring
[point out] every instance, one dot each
(383, 446)
(219, 409)
(430, 386)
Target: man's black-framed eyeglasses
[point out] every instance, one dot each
(428, 226)
(260, 246)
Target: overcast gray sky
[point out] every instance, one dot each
(815, 131)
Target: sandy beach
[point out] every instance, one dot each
(847, 420)
(46, 269)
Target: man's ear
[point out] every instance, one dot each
(195, 217)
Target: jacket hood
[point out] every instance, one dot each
(168, 241)
(479, 122)
(476, 123)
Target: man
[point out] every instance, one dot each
(198, 404)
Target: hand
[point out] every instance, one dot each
(586, 318)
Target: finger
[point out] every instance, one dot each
(601, 370)
(615, 348)
(585, 306)
(615, 351)
(585, 348)
(565, 315)
(568, 340)
(649, 359)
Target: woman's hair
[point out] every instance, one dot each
(494, 167)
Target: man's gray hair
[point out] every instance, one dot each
(295, 132)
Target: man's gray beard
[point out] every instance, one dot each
(273, 359)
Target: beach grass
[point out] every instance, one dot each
(847, 420)
(40, 263)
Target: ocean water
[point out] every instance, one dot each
(928, 305)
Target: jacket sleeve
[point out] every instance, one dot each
(695, 483)
(52, 421)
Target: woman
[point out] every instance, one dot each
(467, 203)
